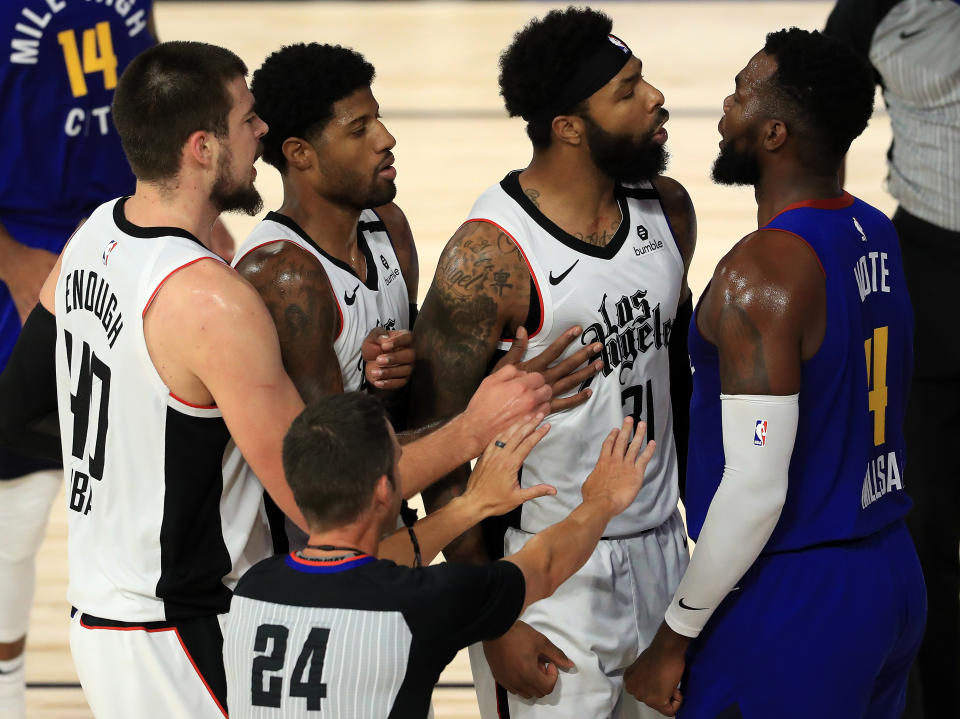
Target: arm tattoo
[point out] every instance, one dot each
(743, 368)
(297, 294)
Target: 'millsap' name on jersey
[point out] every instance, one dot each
(63, 59)
(624, 295)
(847, 470)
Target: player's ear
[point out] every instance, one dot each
(298, 153)
(775, 134)
(199, 148)
(569, 129)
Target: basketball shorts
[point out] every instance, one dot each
(829, 631)
(146, 670)
(602, 618)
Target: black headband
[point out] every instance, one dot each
(594, 72)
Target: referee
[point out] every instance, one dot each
(908, 43)
(335, 630)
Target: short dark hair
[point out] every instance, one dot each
(296, 87)
(333, 455)
(824, 88)
(543, 56)
(167, 93)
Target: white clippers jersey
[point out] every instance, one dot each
(381, 301)
(625, 296)
(160, 523)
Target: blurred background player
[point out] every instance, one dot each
(804, 596)
(589, 234)
(62, 158)
(334, 630)
(905, 42)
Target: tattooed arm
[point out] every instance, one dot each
(295, 288)
(480, 291)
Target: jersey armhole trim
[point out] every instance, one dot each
(191, 404)
(533, 275)
(153, 295)
(804, 241)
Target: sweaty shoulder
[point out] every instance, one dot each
(201, 320)
(402, 238)
(768, 291)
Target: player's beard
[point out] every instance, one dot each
(735, 167)
(227, 196)
(348, 189)
(622, 157)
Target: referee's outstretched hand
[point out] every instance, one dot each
(618, 474)
(493, 483)
(504, 398)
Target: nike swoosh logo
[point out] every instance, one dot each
(350, 299)
(559, 278)
(905, 35)
(684, 605)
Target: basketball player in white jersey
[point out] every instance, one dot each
(589, 234)
(340, 278)
(164, 358)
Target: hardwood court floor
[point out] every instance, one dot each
(436, 82)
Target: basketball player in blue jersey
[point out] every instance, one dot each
(336, 265)
(804, 596)
(62, 158)
(588, 234)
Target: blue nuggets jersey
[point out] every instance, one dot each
(60, 151)
(847, 471)
(63, 58)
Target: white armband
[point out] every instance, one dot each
(758, 437)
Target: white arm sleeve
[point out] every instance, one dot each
(758, 437)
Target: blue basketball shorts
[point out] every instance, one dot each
(828, 631)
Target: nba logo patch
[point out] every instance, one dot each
(614, 40)
(106, 253)
(760, 433)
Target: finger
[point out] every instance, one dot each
(518, 348)
(541, 490)
(401, 338)
(607, 448)
(545, 680)
(647, 453)
(399, 372)
(637, 443)
(530, 440)
(572, 379)
(391, 383)
(620, 446)
(556, 348)
(574, 400)
(555, 654)
(397, 357)
(580, 357)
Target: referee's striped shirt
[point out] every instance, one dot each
(913, 46)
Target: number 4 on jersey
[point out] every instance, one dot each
(875, 350)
